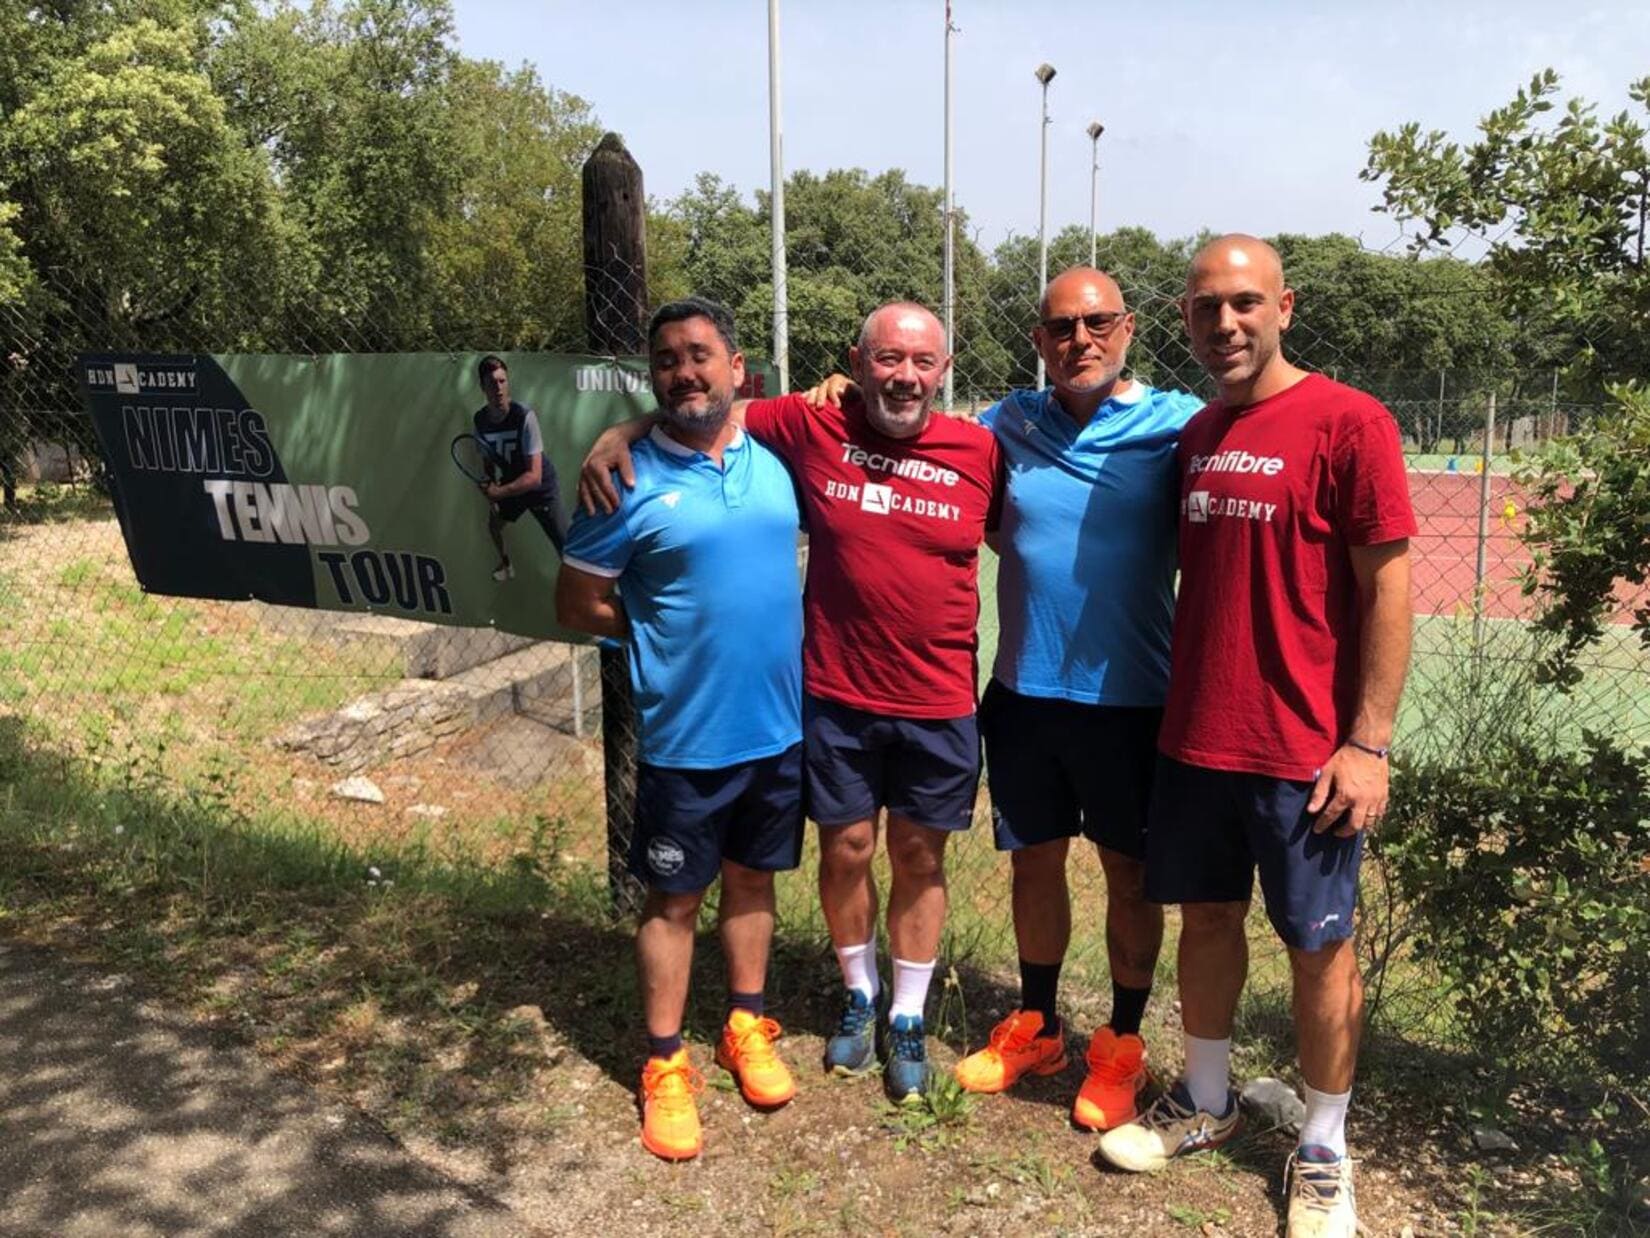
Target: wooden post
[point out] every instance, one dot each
(615, 319)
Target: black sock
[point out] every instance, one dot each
(1039, 986)
(1128, 1007)
(663, 1046)
(746, 1001)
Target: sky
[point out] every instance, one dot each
(1248, 118)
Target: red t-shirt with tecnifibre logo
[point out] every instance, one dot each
(1264, 673)
(894, 532)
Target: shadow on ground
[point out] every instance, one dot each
(120, 1119)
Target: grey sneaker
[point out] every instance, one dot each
(906, 1073)
(1321, 1201)
(852, 1050)
(1170, 1127)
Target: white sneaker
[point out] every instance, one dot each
(1321, 1202)
(504, 571)
(1172, 1126)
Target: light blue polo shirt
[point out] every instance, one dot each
(706, 563)
(1085, 585)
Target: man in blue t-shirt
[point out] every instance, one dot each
(696, 571)
(527, 484)
(1085, 600)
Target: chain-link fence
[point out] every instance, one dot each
(474, 743)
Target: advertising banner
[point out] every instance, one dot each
(354, 481)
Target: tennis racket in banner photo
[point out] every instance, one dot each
(476, 460)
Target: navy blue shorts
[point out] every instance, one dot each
(689, 820)
(545, 509)
(925, 769)
(1210, 829)
(1062, 768)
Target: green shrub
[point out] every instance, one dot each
(1526, 870)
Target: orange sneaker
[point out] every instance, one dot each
(1014, 1049)
(746, 1052)
(670, 1119)
(1117, 1073)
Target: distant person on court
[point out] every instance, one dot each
(1291, 641)
(1085, 600)
(897, 502)
(702, 549)
(511, 430)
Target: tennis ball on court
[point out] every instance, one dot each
(1510, 511)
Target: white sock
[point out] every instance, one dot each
(910, 987)
(1208, 1072)
(859, 967)
(1325, 1123)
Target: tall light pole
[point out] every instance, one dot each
(1095, 130)
(776, 208)
(1044, 74)
(950, 293)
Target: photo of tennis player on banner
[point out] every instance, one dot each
(504, 455)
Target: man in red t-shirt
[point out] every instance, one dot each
(1291, 640)
(897, 502)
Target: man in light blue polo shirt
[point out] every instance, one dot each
(1085, 601)
(696, 571)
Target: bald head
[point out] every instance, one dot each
(1087, 284)
(1239, 252)
(900, 316)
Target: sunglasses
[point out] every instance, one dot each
(1099, 326)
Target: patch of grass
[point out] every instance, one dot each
(790, 1182)
(1197, 1218)
(937, 1122)
(78, 574)
(52, 503)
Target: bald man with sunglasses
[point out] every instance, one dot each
(1085, 601)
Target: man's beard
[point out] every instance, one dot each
(1100, 376)
(707, 420)
(902, 424)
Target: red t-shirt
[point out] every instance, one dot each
(1265, 674)
(894, 531)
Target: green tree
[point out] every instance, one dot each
(355, 105)
(1561, 209)
(132, 186)
(507, 256)
(1589, 530)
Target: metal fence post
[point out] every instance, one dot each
(615, 318)
(1438, 441)
(1479, 564)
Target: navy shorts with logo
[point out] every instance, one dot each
(689, 820)
(1061, 768)
(1211, 829)
(925, 769)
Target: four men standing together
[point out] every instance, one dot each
(1244, 726)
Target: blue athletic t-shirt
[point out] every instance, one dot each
(706, 563)
(1085, 582)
